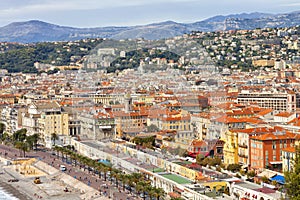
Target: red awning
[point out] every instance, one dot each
(192, 154)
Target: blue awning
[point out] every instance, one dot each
(278, 179)
(105, 162)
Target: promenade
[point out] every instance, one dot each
(81, 182)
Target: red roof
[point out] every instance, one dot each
(276, 136)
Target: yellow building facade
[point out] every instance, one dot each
(230, 148)
(53, 122)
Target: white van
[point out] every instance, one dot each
(62, 168)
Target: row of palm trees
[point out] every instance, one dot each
(21, 140)
(136, 181)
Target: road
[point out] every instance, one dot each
(106, 188)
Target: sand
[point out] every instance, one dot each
(51, 188)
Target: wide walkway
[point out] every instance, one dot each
(106, 188)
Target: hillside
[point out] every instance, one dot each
(38, 31)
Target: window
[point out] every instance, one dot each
(274, 145)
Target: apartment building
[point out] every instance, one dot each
(10, 117)
(179, 123)
(130, 123)
(96, 126)
(285, 101)
(53, 119)
(288, 157)
(45, 118)
(200, 124)
(230, 150)
(244, 153)
(266, 149)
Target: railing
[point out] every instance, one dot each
(243, 145)
(242, 155)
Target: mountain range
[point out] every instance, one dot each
(38, 31)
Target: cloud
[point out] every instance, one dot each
(291, 4)
(67, 5)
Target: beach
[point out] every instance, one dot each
(53, 183)
(13, 191)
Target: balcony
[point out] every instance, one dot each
(242, 155)
(243, 145)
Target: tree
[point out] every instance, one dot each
(20, 135)
(199, 158)
(158, 192)
(54, 137)
(264, 179)
(2, 128)
(292, 178)
(234, 167)
(152, 128)
(142, 187)
(124, 179)
(251, 174)
(115, 173)
(33, 140)
(6, 138)
(22, 146)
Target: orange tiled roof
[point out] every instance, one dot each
(260, 130)
(295, 122)
(290, 149)
(198, 143)
(272, 136)
(284, 114)
(264, 111)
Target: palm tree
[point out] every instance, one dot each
(105, 170)
(86, 163)
(54, 137)
(124, 178)
(20, 135)
(33, 140)
(36, 137)
(159, 192)
(141, 187)
(80, 159)
(136, 177)
(116, 174)
(62, 151)
(99, 168)
(22, 146)
(18, 145)
(93, 164)
(2, 128)
(74, 156)
(151, 191)
(58, 149)
(6, 138)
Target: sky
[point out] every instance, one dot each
(99, 13)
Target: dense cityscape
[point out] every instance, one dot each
(199, 116)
